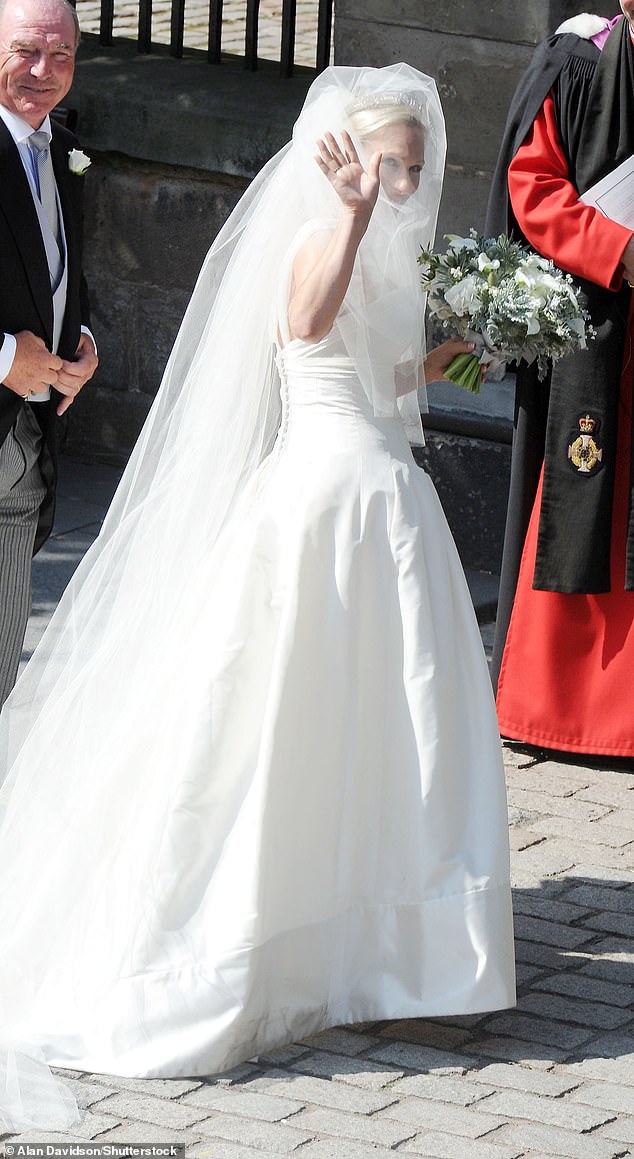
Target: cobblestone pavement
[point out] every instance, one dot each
(554, 1077)
(197, 25)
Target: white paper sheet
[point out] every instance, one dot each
(614, 194)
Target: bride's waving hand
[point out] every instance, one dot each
(356, 189)
(323, 268)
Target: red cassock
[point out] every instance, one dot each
(567, 675)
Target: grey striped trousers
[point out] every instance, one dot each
(22, 491)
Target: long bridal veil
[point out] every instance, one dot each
(93, 732)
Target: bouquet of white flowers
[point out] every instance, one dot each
(508, 300)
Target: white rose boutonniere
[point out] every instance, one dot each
(78, 161)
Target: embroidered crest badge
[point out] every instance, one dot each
(584, 454)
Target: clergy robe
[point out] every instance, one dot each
(565, 641)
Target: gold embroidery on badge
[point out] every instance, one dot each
(584, 452)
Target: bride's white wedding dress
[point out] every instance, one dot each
(292, 812)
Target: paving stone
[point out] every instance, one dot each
(612, 780)
(472, 1124)
(525, 974)
(545, 859)
(343, 1149)
(445, 1035)
(545, 781)
(550, 888)
(593, 873)
(611, 922)
(222, 1149)
(148, 1133)
(622, 1129)
(158, 1088)
(608, 1096)
(606, 792)
(558, 806)
(554, 1112)
(619, 950)
(366, 1128)
(267, 1080)
(556, 856)
(535, 1055)
(238, 1074)
(607, 970)
(549, 957)
(574, 1010)
(253, 1104)
(44, 1137)
(93, 1124)
(283, 1056)
(439, 1088)
(360, 1072)
(611, 1060)
(557, 1141)
(591, 990)
(550, 933)
(163, 1112)
(591, 769)
(341, 1041)
(523, 1078)
(554, 910)
(598, 832)
(366, 1027)
(419, 1058)
(539, 1030)
(277, 1138)
(322, 1093)
(464, 1021)
(621, 818)
(436, 1145)
(521, 837)
(603, 897)
(86, 1093)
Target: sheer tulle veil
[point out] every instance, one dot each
(99, 720)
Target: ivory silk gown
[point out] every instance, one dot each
(325, 842)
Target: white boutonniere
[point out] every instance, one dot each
(78, 161)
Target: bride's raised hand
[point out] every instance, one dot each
(356, 188)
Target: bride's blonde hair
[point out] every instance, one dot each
(369, 118)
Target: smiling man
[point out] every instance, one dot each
(46, 350)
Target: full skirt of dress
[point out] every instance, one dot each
(292, 814)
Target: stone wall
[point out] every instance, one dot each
(173, 145)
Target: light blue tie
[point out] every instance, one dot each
(40, 145)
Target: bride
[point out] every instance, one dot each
(253, 777)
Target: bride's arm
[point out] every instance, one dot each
(323, 267)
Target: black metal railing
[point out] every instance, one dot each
(213, 32)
